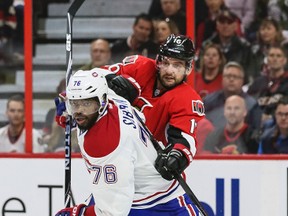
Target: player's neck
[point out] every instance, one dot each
(160, 89)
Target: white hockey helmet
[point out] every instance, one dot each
(86, 85)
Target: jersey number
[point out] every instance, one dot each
(109, 174)
(193, 125)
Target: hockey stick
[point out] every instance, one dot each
(72, 10)
(177, 176)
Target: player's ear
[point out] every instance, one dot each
(188, 71)
(102, 105)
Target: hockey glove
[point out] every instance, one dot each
(126, 87)
(60, 109)
(78, 210)
(169, 164)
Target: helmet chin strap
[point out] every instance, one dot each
(103, 107)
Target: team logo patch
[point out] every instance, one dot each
(95, 74)
(130, 59)
(198, 107)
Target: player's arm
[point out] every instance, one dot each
(125, 86)
(61, 114)
(122, 79)
(177, 155)
(181, 137)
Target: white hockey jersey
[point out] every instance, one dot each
(19, 145)
(120, 159)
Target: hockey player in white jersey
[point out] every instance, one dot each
(118, 154)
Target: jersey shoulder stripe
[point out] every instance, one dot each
(103, 137)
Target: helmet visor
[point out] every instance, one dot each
(83, 106)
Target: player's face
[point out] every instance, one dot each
(171, 72)
(15, 113)
(85, 112)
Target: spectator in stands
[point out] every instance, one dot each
(268, 34)
(235, 48)
(233, 80)
(100, 53)
(18, 39)
(7, 30)
(209, 77)
(204, 128)
(155, 8)
(140, 42)
(171, 10)
(201, 10)
(163, 29)
(12, 136)
(278, 9)
(53, 134)
(207, 27)
(57, 140)
(274, 140)
(244, 9)
(236, 136)
(268, 89)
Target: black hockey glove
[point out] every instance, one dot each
(170, 164)
(125, 87)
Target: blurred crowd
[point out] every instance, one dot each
(240, 70)
(11, 31)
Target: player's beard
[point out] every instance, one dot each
(168, 87)
(89, 120)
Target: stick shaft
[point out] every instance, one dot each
(76, 4)
(190, 193)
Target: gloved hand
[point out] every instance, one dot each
(60, 109)
(171, 163)
(126, 87)
(78, 210)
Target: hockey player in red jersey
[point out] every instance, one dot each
(171, 107)
(118, 155)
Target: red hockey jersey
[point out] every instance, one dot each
(180, 107)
